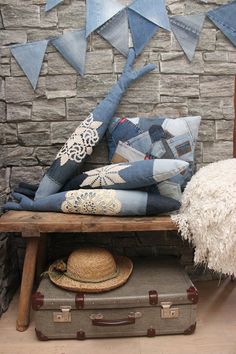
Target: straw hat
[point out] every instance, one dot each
(91, 270)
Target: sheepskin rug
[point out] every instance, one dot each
(207, 217)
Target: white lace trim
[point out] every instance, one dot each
(104, 176)
(101, 202)
(81, 142)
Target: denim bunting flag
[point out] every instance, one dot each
(225, 19)
(141, 29)
(99, 12)
(51, 4)
(152, 10)
(187, 30)
(116, 32)
(30, 58)
(72, 46)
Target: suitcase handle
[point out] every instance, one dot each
(121, 322)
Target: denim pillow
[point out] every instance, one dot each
(132, 139)
(131, 175)
(98, 202)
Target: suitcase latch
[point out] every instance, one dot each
(63, 316)
(169, 312)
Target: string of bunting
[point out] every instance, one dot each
(115, 22)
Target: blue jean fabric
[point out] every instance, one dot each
(121, 132)
(51, 4)
(80, 145)
(159, 138)
(100, 202)
(187, 30)
(72, 46)
(163, 138)
(141, 30)
(100, 11)
(116, 32)
(224, 18)
(30, 58)
(128, 175)
(152, 10)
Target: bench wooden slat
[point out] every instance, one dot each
(27, 221)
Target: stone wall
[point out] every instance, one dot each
(33, 125)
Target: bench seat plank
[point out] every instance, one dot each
(28, 221)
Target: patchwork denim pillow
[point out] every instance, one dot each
(132, 139)
(99, 202)
(131, 175)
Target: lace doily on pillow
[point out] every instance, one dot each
(81, 142)
(101, 202)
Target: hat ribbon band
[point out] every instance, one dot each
(100, 280)
(77, 278)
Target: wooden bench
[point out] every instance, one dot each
(34, 227)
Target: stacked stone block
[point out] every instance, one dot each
(34, 125)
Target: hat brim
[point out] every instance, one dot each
(125, 269)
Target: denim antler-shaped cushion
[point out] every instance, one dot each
(88, 133)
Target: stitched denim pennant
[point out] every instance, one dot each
(100, 11)
(224, 18)
(187, 30)
(72, 46)
(116, 32)
(51, 4)
(141, 29)
(152, 10)
(30, 58)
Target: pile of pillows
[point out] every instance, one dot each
(151, 161)
(171, 140)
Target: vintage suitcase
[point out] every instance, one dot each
(159, 298)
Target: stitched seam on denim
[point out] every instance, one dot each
(113, 19)
(213, 17)
(185, 27)
(164, 173)
(190, 132)
(53, 180)
(128, 123)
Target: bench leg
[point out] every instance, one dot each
(42, 256)
(27, 281)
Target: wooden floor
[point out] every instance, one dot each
(215, 332)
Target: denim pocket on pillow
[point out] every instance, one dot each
(122, 130)
(126, 153)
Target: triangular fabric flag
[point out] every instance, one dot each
(30, 58)
(116, 32)
(187, 30)
(72, 46)
(141, 29)
(51, 4)
(224, 17)
(100, 11)
(152, 10)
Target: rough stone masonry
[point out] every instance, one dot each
(33, 125)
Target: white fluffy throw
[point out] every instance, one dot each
(207, 217)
